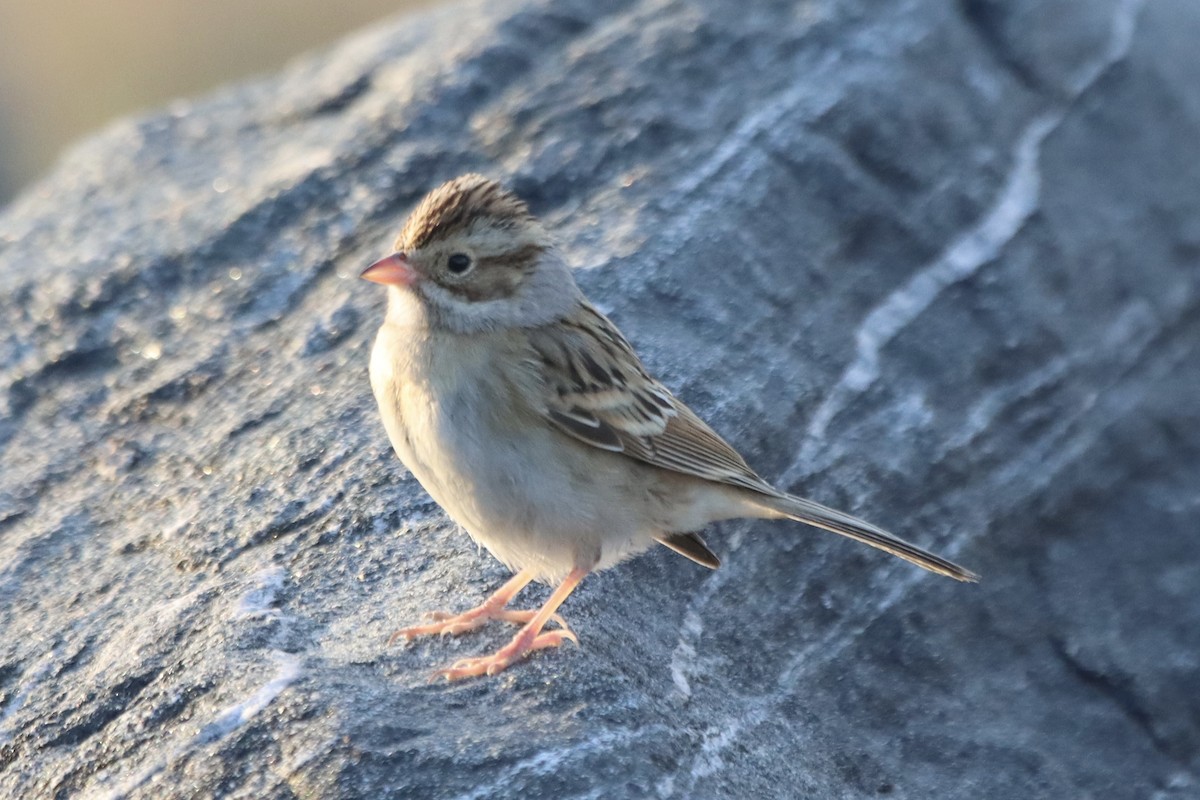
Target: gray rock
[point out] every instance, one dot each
(934, 263)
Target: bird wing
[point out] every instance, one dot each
(597, 390)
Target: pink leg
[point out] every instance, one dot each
(529, 638)
(492, 608)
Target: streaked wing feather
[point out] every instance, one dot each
(598, 391)
(587, 428)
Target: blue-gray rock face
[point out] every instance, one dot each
(935, 263)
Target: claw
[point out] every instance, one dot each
(516, 650)
(446, 624)
(531, 637)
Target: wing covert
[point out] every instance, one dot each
(598, 391)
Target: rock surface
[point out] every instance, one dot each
(936, 263)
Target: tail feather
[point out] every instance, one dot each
(811, 513)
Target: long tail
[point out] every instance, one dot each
(807, 511)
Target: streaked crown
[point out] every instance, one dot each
(456, 206)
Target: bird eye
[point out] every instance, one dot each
(459, 263)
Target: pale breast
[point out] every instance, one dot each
(423, 386)
(458, 417)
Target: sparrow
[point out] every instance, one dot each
(529, 418)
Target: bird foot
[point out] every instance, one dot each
(447, 624)
(522, 645)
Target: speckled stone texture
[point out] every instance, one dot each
(936, 263)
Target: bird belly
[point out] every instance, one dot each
(534, 504)
(533, 497)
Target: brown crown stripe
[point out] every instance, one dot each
(453, 206)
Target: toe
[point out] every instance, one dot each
(553, 639)
(467, 668)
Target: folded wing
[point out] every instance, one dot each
(597, 390)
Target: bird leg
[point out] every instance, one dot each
(528, 639)
(448, 624)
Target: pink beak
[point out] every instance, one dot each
(393, 270)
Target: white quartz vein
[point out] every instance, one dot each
(548, 761)
(229, 720)
(965, 255)
(259, 597)
(962, 259)
(685, 660)
(1065, 443)
(971, 250)
(17, 701)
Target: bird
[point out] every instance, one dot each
(529, 418)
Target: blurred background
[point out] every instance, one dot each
(69, 66)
